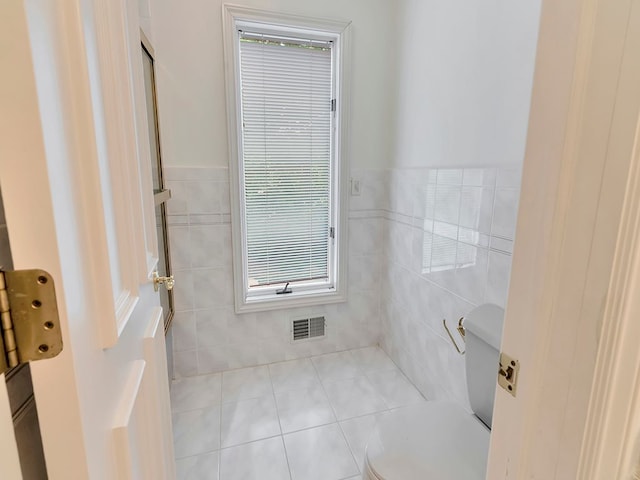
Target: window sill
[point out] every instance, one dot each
(289, 300)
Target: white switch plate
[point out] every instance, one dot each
(355, 187)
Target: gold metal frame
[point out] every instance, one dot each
(162, 195)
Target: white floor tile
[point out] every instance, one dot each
(305, 408)
(336, 366)
(196, 431)
(354, 397)
(199, 467)
(395, 389)
(372, 359)
(191, 393)
(319, 453)
(245, 383)
(249, 420)
(357, 432)
(262, 460)
(278, 422)
(293, 375)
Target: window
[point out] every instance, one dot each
(286, 120)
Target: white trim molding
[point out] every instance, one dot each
(611, 447)
(131, 424)
(612, 438)
(161, 434)
(339, 32)
(580, 144)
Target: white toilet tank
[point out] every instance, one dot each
(483, 335)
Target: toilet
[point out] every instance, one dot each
(441, 440)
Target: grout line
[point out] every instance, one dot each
(220, 431)
(243, 444)
(286, 455)
(209, 452)
(336, 414)
(324, 390)
(309, 428)
(353, 455)
(206, 407)
(282, 434)
(275, 402)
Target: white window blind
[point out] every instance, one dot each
(286, 92)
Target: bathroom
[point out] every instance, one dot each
(439, 108)
(380, 360)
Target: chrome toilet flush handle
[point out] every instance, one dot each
(461, 331)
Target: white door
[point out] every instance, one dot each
(572, 224)
(76, 180)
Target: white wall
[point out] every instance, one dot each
(208, 335)
(187, 37)
(464, 80)
(464, 86)
(448, 237)
(436, 85)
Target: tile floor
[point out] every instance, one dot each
(299, 420)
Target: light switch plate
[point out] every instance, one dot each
(355, 187)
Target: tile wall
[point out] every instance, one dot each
(208, 336)
(424, 244)
(448, 242)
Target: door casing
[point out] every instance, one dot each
(580, 144)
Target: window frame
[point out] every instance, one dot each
(235, 17)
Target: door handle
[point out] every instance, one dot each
(168, 282)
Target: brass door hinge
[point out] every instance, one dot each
(29, 320)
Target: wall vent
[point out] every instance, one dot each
(307, 328)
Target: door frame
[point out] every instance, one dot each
(611, 447)
(561, 305)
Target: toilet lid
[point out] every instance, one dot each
(434, 440)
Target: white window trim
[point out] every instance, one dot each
(340, 31)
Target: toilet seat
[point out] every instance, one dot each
(434, 440)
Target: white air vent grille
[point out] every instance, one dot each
(308, 328)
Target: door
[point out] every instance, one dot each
(565, 293)
(76, 180)
(160, 194)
